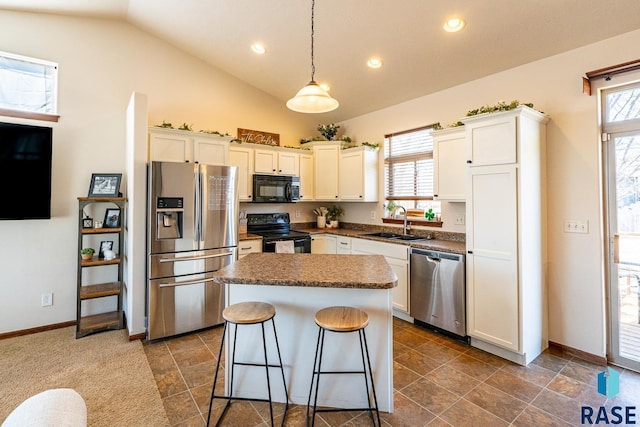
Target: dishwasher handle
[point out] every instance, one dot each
(436, 256)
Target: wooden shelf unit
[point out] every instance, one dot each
(89, 324)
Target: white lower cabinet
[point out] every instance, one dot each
(343, 245)
(323, 244)
(246, 247)
(397, 256)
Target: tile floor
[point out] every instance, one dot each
(437, 382)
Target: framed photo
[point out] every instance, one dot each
(105, 245)
(105, 185)
(111, 218)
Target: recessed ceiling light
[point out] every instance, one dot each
(374, 63)
(258, 48)
(453, 25)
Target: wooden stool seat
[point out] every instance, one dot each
(342, 319)
(248, 313)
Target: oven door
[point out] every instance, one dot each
(301, 245)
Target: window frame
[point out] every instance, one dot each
(390, 160)
(35, 115)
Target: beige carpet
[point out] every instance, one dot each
(110, 373)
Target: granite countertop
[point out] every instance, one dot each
(248, 236)
(310, 270)
(452, 246)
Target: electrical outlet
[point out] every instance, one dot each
(576, 226)
(459, 220)
(46, 299)
(373, 214)
(297, 214)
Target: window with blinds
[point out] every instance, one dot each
(28, 87)
(408, 159)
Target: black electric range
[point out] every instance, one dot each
(274, 227)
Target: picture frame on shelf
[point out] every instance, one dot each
(111, 218)
(105, 245)
(105, 185)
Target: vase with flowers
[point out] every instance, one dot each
(329, 131)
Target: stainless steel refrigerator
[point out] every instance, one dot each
(192, 232)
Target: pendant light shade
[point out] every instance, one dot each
(312, 98)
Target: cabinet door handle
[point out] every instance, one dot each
(470, 252)
(435, 195)
(469, 161)
(336, 197)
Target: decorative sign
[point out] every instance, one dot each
(258, 137)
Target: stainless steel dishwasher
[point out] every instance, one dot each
(437, 290)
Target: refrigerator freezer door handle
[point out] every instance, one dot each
(195, 258)
(197, 223)
(190, 282)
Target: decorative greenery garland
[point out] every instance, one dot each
(500, 106)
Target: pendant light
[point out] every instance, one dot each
(312, 98)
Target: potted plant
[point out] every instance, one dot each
(87, 253)
(328, 131)
(333, 214)
(390, 208)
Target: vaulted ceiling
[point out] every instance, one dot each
(418, 56)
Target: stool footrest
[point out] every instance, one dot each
(339, 372)
(256, 364)
(344, 410)
(251, 399)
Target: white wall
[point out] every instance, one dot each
(553, 85)
(101, 63)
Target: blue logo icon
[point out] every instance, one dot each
(609, 383)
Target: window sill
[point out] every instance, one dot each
(412, 221)
(29, 115)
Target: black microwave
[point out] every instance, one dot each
(276, 189)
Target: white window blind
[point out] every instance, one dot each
(408, 158)
(28, 84)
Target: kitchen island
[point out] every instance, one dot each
(299, 285)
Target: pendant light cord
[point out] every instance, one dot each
(313, 67)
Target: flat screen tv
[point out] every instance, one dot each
(25, 171)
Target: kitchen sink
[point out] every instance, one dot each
(393, 236)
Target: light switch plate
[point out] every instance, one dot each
(576, 226)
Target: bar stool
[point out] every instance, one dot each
(342, 320)
(248, 313)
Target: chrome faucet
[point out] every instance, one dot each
(404, 227)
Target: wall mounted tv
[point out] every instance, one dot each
(25, 171)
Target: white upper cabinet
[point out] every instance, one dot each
(242, 157)
(450, 172)
(306, 177)
(359, 175)
(171, 145)
(326, 159)
(276, 162)
(491, 141)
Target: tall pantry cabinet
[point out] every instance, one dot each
(506, 221)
